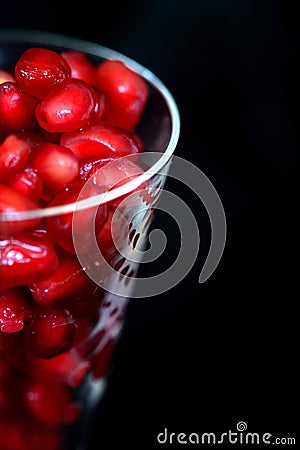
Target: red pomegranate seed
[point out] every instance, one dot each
(88, 344)
(101, 141)
(28, 183)
(70, 105)
(116, 174)
(72, 413)
(51, 332)
(111, 239)
(14, 202)
(127, 93)
(105, 240)
(9, 343)
(90, 166)
(87, 314)
(82, 67)
(25, 258)
(79, 373)
(59, 369)
(14, 154)
(56, 165)
(99, 106)
(14, 309)
(139, 142)
(88, 307)
(91, 219)
(39, 69)
(66, 286)
(47, 402)
(102, 358)
(17, 109)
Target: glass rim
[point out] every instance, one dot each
(94, 49)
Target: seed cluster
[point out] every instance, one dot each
(62, 118)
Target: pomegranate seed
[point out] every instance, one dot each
(14, 154)
(17, 109)
(52, 332)
(59, 369)
(102, 358)
(25, 258)
(86, 314)
(28, 183)
(81, 66)
(116, 174)
(91, 219)
(9, 343)
(14, 309)
(39, 69)
(47, 402)
(105, 240)
(89, 343)
(90, 166)
(56, 165)
(66, 286)
(99, 106)
(14, 202)
(139, 142)
(78, 375)
(101, 141)
(88, 307)
(127, 93)
(70, 105)
(72, 413)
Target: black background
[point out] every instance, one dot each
(200, 358)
